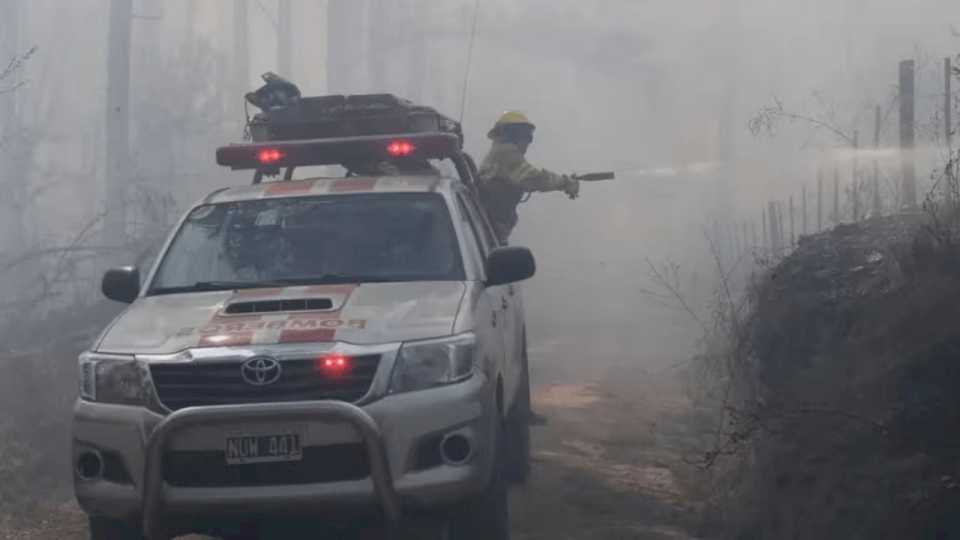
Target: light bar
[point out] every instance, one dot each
(298, 153)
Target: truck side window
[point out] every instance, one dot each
(479, 219)
(476, 247)
(476, 226)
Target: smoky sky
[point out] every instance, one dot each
(641, 86)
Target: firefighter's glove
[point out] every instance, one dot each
(571, 187)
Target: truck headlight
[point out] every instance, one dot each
(426, 364)
(112, 378)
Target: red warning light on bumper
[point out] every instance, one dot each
(333, 364)
(400, 148)
(270, 156)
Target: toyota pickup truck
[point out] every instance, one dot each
(315, 355)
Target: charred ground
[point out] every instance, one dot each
(843, 425)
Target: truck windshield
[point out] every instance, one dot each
(312, 240)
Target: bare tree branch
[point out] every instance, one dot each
(764, 121)
(13, 66)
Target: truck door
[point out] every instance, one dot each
(507, 301)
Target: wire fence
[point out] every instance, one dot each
(855, 183)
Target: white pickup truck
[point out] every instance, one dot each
(311, 357)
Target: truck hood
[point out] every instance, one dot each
(370, 313)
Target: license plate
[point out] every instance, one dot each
(263, 448)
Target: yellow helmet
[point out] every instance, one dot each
(510, 118)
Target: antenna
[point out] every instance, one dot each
(466, 75)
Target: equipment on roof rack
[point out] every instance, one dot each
(353, 131)
(286, 115)
(276, 93)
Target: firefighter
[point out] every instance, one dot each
(506, 176)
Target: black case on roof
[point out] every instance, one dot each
(340, 116)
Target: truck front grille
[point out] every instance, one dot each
(222, 383)
(333, 463)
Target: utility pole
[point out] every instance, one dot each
(117, 121)
(285, 39)
(875, 183)
(907, 141)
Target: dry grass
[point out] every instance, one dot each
(845, 431)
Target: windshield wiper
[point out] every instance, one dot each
(335, 278)
(323, 279)
(201, 286)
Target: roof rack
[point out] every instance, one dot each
(292, 131)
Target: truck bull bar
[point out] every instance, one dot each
(330, 411)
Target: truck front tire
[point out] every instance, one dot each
(102, 528)
(518, 431)
(487, 515)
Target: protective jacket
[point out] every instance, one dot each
(504, 177)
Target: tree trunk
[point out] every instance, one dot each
(11, 179)
(117, 121)
(344, 46)
(285, 39)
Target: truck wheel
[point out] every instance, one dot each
(102, 528)
(518, 431)
(487, 515)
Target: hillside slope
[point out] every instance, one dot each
(855, 369)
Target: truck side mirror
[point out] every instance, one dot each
(509, 265)
(121, 284)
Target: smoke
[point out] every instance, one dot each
(661, 91)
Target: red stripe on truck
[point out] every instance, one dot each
(288, 187)
(307, 336)
(353, 184)
(226, 340)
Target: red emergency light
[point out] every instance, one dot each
(270, 156)
(400, 148)
(333, 365)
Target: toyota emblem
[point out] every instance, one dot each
(260, 370)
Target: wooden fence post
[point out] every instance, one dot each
(855, 178)
(908, 185)
(820, 198)
(781, 237)
(836, 195)
(877, 210)
(803, 193)
(792, 235)
(763, 223)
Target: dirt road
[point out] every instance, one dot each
(609, 464)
